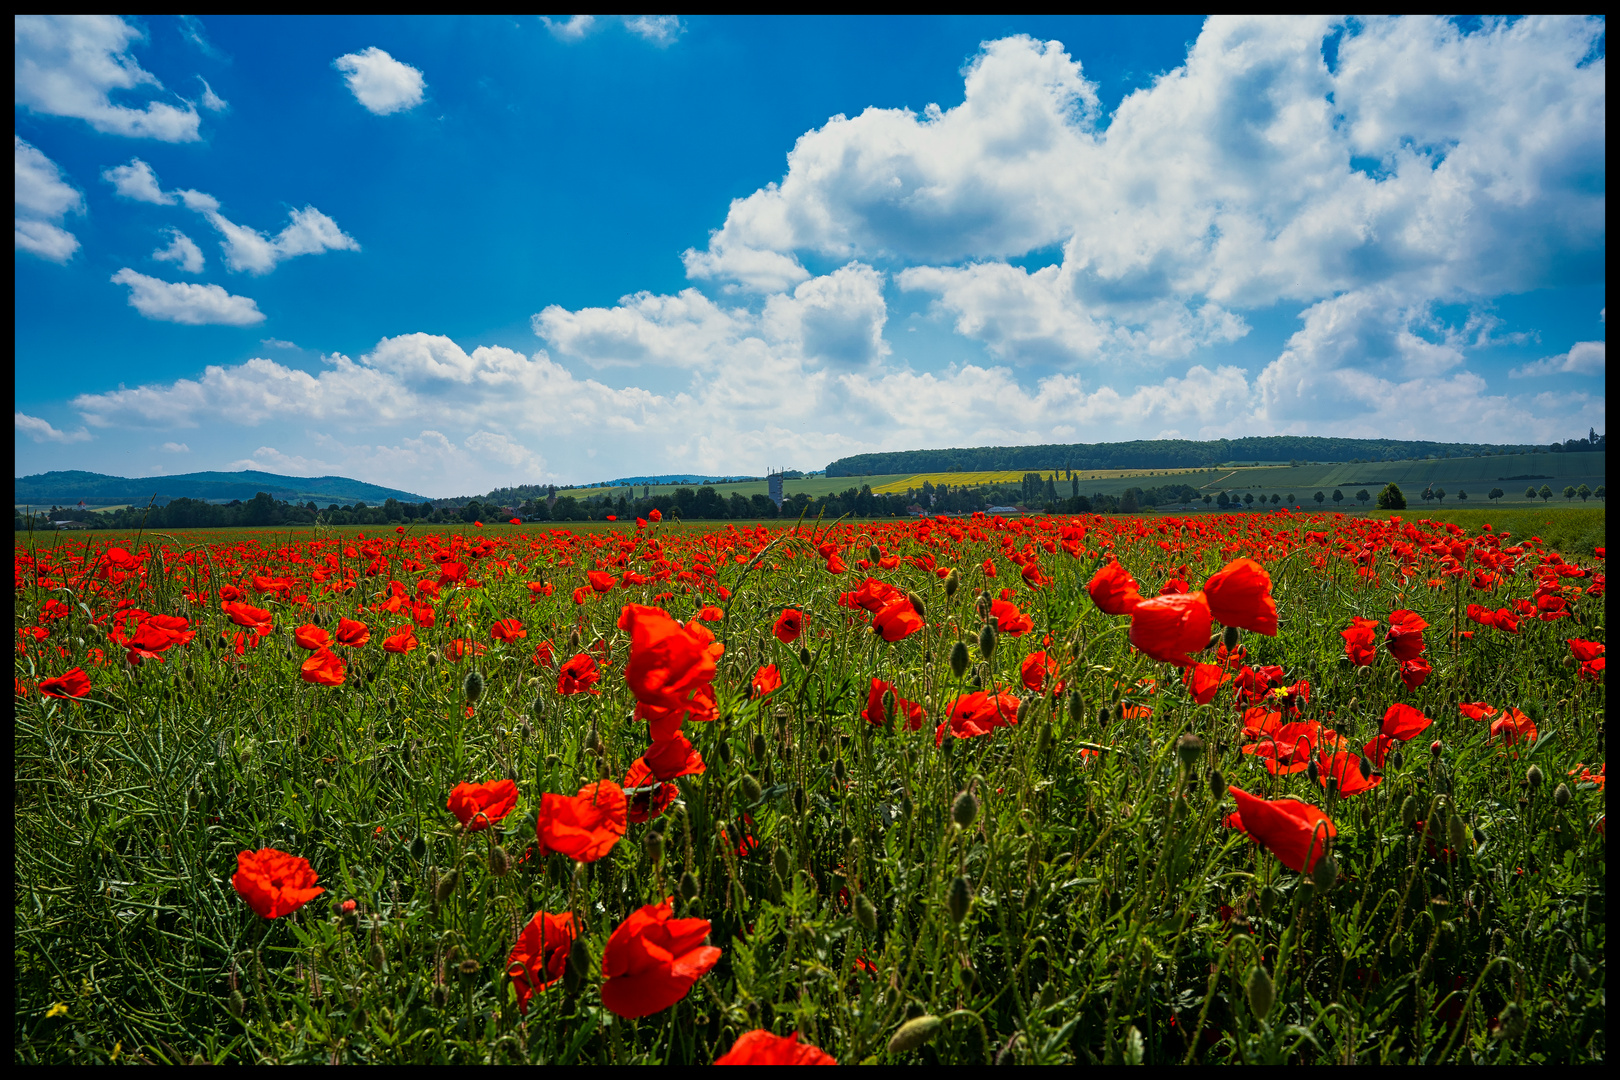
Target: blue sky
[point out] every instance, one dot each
(445, 254)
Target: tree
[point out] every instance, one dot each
(1584, 492)
(1440, 495)
(1363, 496)
(1391, 498)
(1338, 496)
(1321, 498)
(1290, 500)
(1208, 499)
(1248, 499)
(1128, 504)
(1462, 495)
(1545, 493)
(1496, 493)
(1224, 502)
(1569, 492)
(1530, 492)
(1601, 492)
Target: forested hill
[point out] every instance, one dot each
(97, 489)
(1161, 454)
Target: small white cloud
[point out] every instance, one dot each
(308, 232)
(41, 431)
(210, 100)
(276, 343)
(1583, 358)
(573, 28)
(661, 30)
(183, 302)
(381, 83)
(182, 251)
(175, 448)
(137, 181)
(43, 197)
(503, 449)
(191, 28)
(68, 65)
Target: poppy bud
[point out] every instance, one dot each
(917, 605)
(1231, 637)
(725, 750)
(888, 710)
(1325, 873)
(959, 659)
(873, 554)
(440, 996)
(846, 836)
(1435, 748)
(914, 1033)
(780, 861)
(468, 968)
(1513, 1022)
(1409, 812)
(1395, 756)
(578, 966)
(1459, 832)
(1366, 768)
(915, 1009)
(953, 581)
(1581, 967)
(759, 747)
(804, 657)
(750, 789)
(983, 605)
(1561, 795)
(1102, 716)
(472, 686)
(1044, 743)
(689, 886)
(970, 977)
(866, 913)
(957, 900)
(1076, 707)
(1261, 992)
(499, 861)
(573, 639)
(1311, 771)
(1217, 784)
(446, 886)
(1268, 901)
(1189, 748)
(987, 641)
(432, 657)
(964, 808)
(838, 770)
(377, 956)
(653, 845)
(1533, 777)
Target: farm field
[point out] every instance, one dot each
(1248, 788)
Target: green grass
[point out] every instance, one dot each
(1112, 917)
(1576, 530)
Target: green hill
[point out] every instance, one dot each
(97, 489)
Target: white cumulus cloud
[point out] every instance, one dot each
(43, 198)
(379, 82)
(573, 28)
(69, 65)
(184, 302)
(1583, 358)
(182, 251)
(42, 431)
(661, 30)
(138, 181)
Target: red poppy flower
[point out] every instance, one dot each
(898, 620)
(710, 613)
(158, 633)
(1240, 595)
(72, 683)
(323, 668)
(1204, 681)
(273, 882)
(646, 796)
(1405, 637)
(599, 581)
(789, 625)
(1009, 620)
(478, 806)
(579, 676)
(1296, 832)
(540, 954)
(1477, 710)
(1036, 669)
(311, 637)
(1289, 748)
(1114, 590)
(507, 630)
(460, 648)
(422, 615)
(1168, 628)
(1359, 641)
(652, 959)
(1414, 673)
(672, 757)
(451, 572)
(760, 1047)
(978, 713)
(1584, 650)
(872, 596)
(668, 663)
(352, 633)
(1512, 727)
(766, 680)
(1346, 769)
(248, 615)
(402, 640)
(583, 827)
(908, 712)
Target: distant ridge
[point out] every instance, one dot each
(97, 489)
(669, 478)
(1160, 454)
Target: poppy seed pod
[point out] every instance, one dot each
(1189, 748)
(1561, 795)
(1533, 777)
(804, 656)
(499, 861)
(873, 554)
(914, 1033)
(1268, 901)
(1325, 873)
(1076, 707)
(468, 968)
(653, 845)
(1458, 832)
(957, 900)
(759, 747)
(953, 581)
(689, 886)
(959, 659)
(1231, 638)
(987, 641)
(1261, 992)
(472, 686)
(1409, 812)
(1217, 784)
(750, 788)
(780, 862)
(917, 605)
(866, 913)
(964, 808)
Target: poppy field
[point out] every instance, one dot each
(1249, 789)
